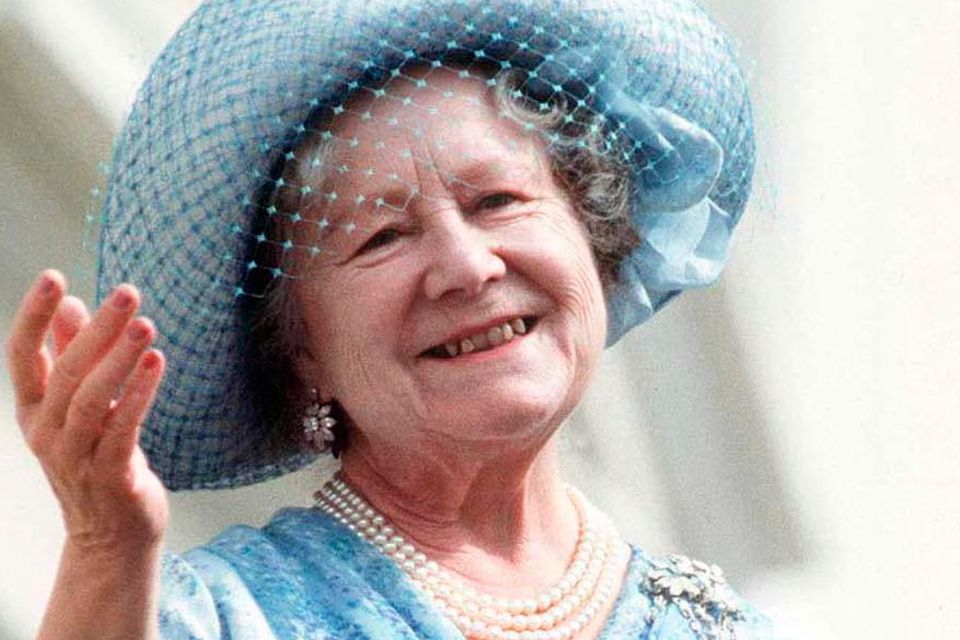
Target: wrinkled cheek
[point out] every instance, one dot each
(594, 323)
(582, 293)
(591, 311)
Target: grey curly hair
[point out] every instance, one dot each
(582, 161)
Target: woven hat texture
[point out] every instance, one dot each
(237, 85)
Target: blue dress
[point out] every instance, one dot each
(306, 577)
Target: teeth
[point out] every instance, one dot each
(482, 341)
(494, 337)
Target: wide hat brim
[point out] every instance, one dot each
(232, 86)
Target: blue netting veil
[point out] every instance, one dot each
(238, 170)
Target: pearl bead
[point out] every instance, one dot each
(535, 621)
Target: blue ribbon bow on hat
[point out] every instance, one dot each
(675, 165)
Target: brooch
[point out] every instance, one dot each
(699, 591)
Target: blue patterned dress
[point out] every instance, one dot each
(306, 577)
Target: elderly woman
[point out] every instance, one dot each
(403, 234)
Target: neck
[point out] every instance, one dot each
(483, 518)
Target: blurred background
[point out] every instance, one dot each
(795, 424)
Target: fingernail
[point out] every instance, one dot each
(150, 360)
(137, 332)
(122, 299)
(47, 283)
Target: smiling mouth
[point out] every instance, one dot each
(485, 341)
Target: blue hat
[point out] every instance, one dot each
(241, 77)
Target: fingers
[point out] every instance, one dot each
(70, 318)
(29, 360)
(87, 349)
(120, 436)
(91, 403)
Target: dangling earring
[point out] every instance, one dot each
(318, 424)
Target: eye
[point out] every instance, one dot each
(495, 201)
(380, 239)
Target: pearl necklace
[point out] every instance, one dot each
(556, 614)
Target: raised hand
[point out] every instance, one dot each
(80, 406)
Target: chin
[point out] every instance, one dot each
(508, 415)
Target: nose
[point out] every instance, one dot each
(462, 258)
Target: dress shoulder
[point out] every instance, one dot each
(301, 576)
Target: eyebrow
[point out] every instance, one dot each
(376, 205)
(479, 171)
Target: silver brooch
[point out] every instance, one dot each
(699, 591)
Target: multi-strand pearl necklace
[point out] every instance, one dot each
(556, 614)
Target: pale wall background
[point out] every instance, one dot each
(795, 424)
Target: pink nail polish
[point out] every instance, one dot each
(151, 360)
(46, 285)
(122, 300)
(137, 332)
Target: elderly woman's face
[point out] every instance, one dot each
(447, 227)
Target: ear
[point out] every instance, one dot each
(311, 372)
(307, 367)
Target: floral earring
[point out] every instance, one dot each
(318, 424)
